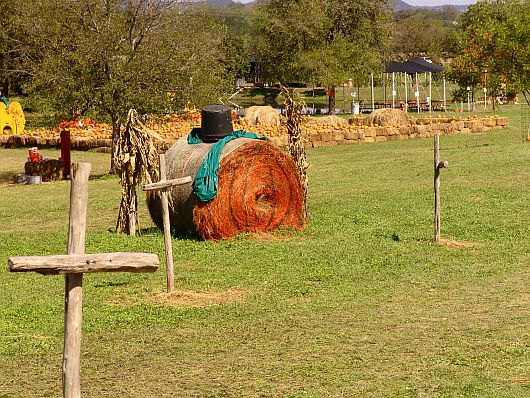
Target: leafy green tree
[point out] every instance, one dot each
(236, 16)
(11, 54)
(104, 57)
(321, 42)
(492, 47)
(236, 19)
(421, 34)
(448, 14)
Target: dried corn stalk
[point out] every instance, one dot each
(293, 111)
(137, 161)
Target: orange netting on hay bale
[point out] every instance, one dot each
(258, 190)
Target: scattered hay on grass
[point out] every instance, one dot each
(260, 235)
(190, 298)
(457, 244)
(280, 234)
(180, 298)
(520, 379)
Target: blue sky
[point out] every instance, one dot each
(415, 2)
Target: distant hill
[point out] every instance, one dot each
(399, 5)
(461, 8)
(219, 3)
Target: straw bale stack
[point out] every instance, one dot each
(502, 122)
(262, 115)
(489, 122)
(388, 117)
(48, 169)
(471, 124)
(458, 125)
(331, 120)
(370, 133)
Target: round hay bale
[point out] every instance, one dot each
(328, 120)
(388, 117)
(262, 115)
(259, 190)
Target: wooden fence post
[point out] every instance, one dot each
(163, 185)
(73, 265)
(438, 164)
(73, 302)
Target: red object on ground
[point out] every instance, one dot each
(34, 155)
(65, 151)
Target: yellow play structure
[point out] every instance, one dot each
(12, 118)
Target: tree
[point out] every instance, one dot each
(447, 13)
(492, 47)
(11, 45)
(321, 42)
(235, 17)
(104, 57)
(422, 34)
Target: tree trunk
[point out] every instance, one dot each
(132, 217)
(526, 94)
(5, 88)
(331, 100)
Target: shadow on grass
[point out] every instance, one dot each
(174, 234)
(150, 231)
(103, 177)
(110, 284)
(7, 177)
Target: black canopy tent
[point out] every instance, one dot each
(416, 65)
(413, 67)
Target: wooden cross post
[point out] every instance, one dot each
(438, 165)
(163, 185)
(73, 265)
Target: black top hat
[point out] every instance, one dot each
(216, 123)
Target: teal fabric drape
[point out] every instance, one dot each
(206, 185)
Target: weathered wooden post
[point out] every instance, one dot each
(65, 151)
(163, 185)
(73, 300)
(438, 165)
(73, 265)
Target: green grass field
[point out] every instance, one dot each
(360, 304)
